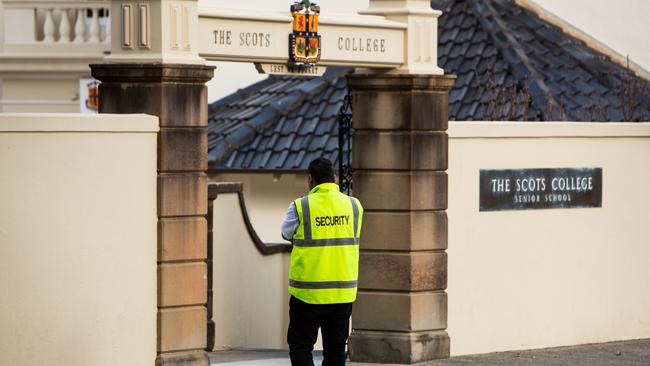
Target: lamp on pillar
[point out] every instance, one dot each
(400, 163)
(154, 68)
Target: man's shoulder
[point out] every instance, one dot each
(352, 198)
(299, 199)
(357, 201)
(297, 203)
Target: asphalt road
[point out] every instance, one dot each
(628, 353)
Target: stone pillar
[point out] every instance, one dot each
(154, 68)
(178, 95)
(399, 161)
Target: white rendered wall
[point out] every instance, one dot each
(250, 303)
(555, 277)
(36, 94)
(78, 240)
(267, 198)
(517, 279)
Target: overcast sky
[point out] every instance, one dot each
(624, 28)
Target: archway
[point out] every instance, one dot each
(157, 66)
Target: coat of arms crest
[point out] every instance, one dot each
(304, 42)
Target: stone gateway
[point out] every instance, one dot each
(157, 65)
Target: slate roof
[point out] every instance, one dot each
(510, 65)
(504, 55)
(281, 123)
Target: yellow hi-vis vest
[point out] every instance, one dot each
(325, 256)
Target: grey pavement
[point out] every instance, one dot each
(628, 353)
(255, 357)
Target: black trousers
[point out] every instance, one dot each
(304, 321)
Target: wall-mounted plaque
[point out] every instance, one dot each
(529, 189)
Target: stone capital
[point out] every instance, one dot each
(152, 72)
(400, 102)
(155, 31)
(396, 82)
(421, 36)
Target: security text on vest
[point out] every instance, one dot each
(332, 220)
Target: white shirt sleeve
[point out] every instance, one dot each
(290, 223)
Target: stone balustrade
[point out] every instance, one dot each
(61, 22)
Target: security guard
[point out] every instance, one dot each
(324, 227)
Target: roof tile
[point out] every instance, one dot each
(284, 122)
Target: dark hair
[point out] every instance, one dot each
(321, 171)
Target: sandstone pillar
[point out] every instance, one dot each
(154, 68)
(400, 159)
(177, 94)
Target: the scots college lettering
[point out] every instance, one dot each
(245, 39)
(303, 37)
(358, 44)
(332, 220)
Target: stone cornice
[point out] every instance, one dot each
(401, 81)
(152, 72)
